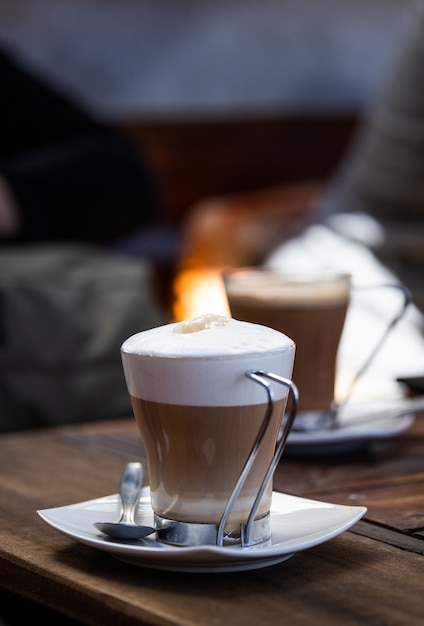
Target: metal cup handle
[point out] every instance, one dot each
(261, 378)
(407, 299)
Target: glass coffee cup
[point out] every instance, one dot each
(209, 397)
(311, 308)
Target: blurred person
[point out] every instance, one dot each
(382, 178)
(369, 218)
(71, 189)
(376, 197)
(64, 175)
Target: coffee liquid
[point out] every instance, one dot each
(316, 327)
(196, 454)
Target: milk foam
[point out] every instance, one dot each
(280, 289)
(207, 335)
(203, 361)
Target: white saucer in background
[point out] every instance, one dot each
(349, 435)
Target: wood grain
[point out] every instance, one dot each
(370, 575)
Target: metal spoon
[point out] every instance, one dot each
(129, 491)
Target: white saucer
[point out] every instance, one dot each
(297, 524)
(347, 436)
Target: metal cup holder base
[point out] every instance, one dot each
(191, 534)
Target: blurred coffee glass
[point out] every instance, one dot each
(209, 396)
(310, 308)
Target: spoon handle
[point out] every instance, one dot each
(129, 491)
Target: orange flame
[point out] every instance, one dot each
(198, 291)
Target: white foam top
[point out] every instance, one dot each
(204, 336)
(203, 362)
(278, 288)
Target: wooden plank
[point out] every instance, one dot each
(349, 576)
(393, 538)
(360, 577)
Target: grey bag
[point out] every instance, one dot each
(64, 312)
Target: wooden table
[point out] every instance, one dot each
(372, 574)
